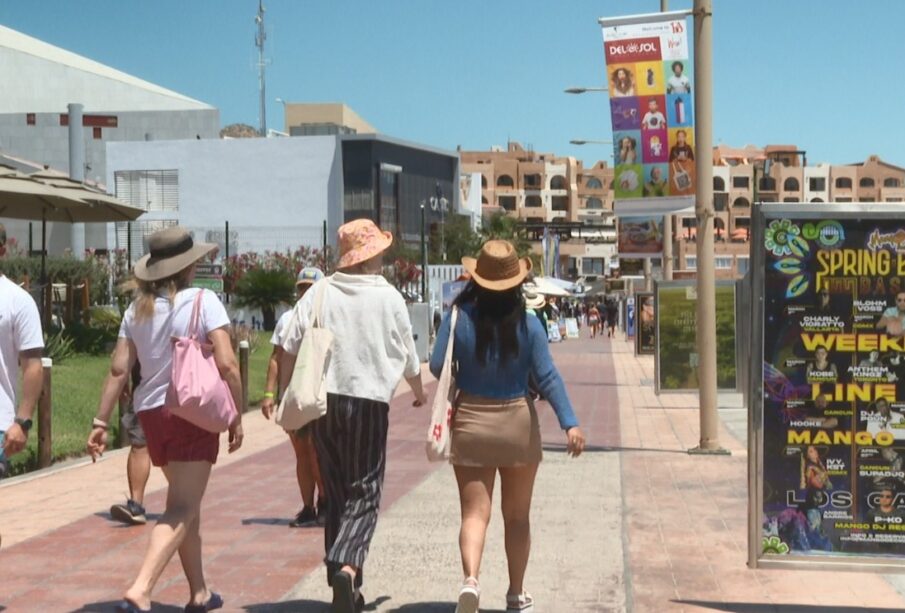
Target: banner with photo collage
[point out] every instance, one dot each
(833, 432)
(649, 76)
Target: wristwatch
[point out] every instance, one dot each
(25, 424)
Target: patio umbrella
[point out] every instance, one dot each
(544, 286)
(739, 234)
(102, 207)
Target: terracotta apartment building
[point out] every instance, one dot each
(543, 189)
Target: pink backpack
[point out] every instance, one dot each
(197, 393)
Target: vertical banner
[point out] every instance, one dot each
(555, 266)
(630, 317)
(640, 236)
(649, 76)
(830, 448)
(545, 247)
(646, 337)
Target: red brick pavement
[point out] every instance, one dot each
(250, 554)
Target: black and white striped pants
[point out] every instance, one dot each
(351, 441)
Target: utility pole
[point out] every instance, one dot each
(442, 222)
(260, 37)
(706, 284)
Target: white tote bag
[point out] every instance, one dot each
(305, 398)
(438, 436)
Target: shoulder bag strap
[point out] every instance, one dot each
(196, 310)
(447, 360)
(317, 315)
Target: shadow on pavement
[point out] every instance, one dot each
(151, 517)
(266, 521)
(110, 605)
(557, 447)
(301, 606)
(750, 607)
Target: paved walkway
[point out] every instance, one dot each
(635, 524)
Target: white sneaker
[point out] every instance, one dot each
(469, 594)
(519, 603)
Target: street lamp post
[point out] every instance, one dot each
(439, 193)
(590, 142)
(581, 90)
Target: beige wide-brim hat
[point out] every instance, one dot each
(359, 241)
(533, 300)
(171, 250)
(498, 266)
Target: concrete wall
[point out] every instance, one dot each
(275, 193)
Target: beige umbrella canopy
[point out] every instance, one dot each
(101, 206)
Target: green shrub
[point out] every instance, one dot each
(62, 270)
(59, 346)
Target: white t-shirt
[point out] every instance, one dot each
(653, 121)
(153, 339)
(20, 330)
(373, 346)
(677, 85)
(279, 330)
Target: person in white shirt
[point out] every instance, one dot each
(653, 119)
(373, 348)
(306, 470)
(163, 309)
(21, 343)
(678, 83)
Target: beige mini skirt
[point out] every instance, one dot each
(492, 432)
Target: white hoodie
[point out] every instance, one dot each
(373, 345)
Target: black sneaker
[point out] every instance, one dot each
(130, 513)
(305, 518)
(321, 512)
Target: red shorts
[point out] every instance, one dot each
(173, 439)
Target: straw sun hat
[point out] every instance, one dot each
(171, 250)
(533, 300)
(498, 266)
(359, 241)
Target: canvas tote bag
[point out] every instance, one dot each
(197, 392)
(305, 398)
(438, 440)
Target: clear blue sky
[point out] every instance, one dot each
(825, 75)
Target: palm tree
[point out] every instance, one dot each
(265, 289)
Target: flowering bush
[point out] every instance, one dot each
(236, 266)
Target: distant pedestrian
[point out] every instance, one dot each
(594, 320)
(612, 313)
(495, 427)
(373, 348)
(21, 344)
(162, 309)
(307, 472)
(138, 464)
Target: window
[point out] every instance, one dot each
(843, 183)
(866, 200)
(742, 264)
(740, 182)
(533, 201)
(593, 203)
(740, 203)
(483, 200)
(558, 182)
(532, 181)
(890, 182)
(593, 266)
(866, 182)
(30, 119)
(817, 184)
(720, 201)
(894, 200)
(723, 263)
(483, 182)
(594, 183)
(97, 133)
(790, 199)
(691, 262)
(767, 184)
(507, 202)
(718, 184)
(358, 199)
(842, 199)
(389, 201)
(151, 190)
(560, 203)
(791, 185)
(816, 200)
(504, 181)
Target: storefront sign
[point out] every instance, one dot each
(646, 338)
(676, 336)
(649, 75)
(829, 437)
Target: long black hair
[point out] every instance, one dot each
(498, 315)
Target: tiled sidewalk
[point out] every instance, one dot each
(687, 517)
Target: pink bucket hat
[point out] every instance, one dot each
(360, 240)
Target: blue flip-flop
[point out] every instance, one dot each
(129, 607)
(213, 603)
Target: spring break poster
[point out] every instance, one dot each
(650, 82)
(834, 387)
